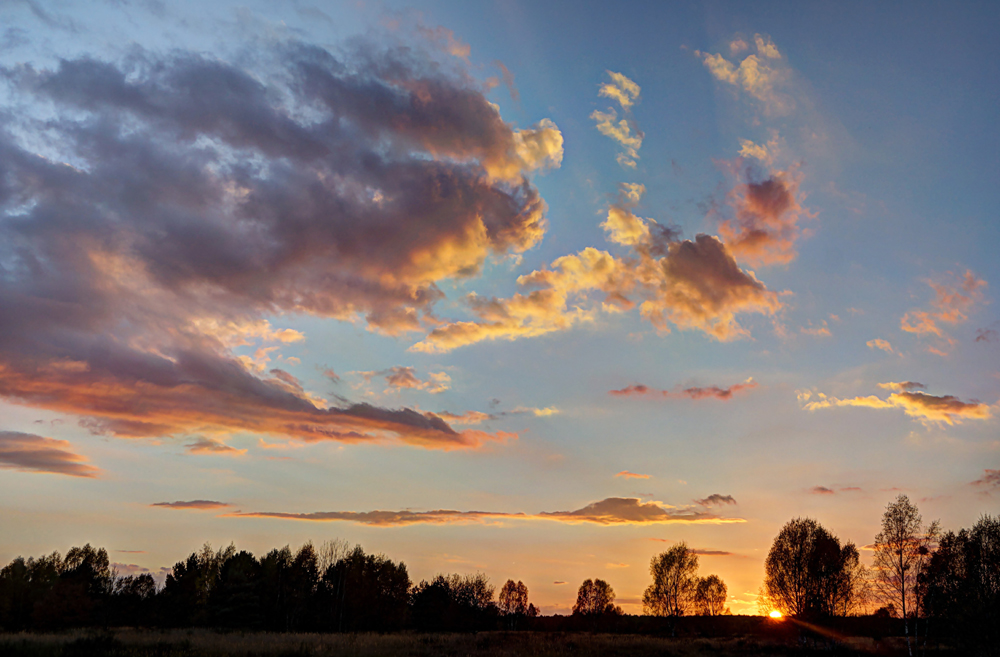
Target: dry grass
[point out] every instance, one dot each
(206, 643)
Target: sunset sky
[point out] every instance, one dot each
(532, 289)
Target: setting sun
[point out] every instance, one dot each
(777, 615)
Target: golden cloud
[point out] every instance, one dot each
(625, 474)
(879, 343)
(926, 408)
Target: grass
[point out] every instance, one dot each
(207, 643)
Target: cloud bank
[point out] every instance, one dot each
(610, 511)
(172, 203)
(928, 409)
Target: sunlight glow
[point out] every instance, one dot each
(777, 615)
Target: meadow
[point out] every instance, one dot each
(208, 643)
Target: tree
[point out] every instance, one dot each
(902, 552)
(809, 573)
(674, 581)
(595, 598)
(710, 596)
(513, 602)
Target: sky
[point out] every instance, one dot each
(531, 289)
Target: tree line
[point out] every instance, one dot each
(934, 583)
(330, 589)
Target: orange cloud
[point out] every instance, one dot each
(822, 490)
(926, 408)
(198, 505)
(990, 480)
(953, 300)
(692, 392)
(625, 474)
(398, 378)
(30, 453)
(610, 511)
(879, 343)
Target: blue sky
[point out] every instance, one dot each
(841, 162)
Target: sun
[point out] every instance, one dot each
(776, 614)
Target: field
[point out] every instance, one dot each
(207, 643)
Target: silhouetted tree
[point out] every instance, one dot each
(186, 591)
(454, 603)
(131, 600)
(962, 583)
(513, 602)
(23, 584)
(235, 599)
(902, 550)
(595, 597)
(80, 593)
(674, 579)
(809, 573)
(364, 593)
(710, 596)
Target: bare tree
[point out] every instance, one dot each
(902, 551)
(710, 596)
(674, 580)
(332, 551)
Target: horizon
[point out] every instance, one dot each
(529, 291)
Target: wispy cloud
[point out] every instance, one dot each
(879, 343)
(625, 474)
(989, 482)
(694, 392)
(610, 511)
(624, 131)
(405, 378)
(30, 453)
(198, 505)
(761, 75)
(954, 299)
(212, 446)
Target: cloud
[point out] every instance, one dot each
(990, 480)
(879, 343)
(620, 89)
(716, 500)
(954, 298)
(624, 131)
(987, 335)
(610, 511)
(558, 582)
(692, 284)
(476, 417)
(822, 490)
(398, 378)
(928, 409)
(625, 474)
(198, 505)
(210, 446)
(902, 386)
(181, 200)
(629, 510)
(761, 75)
(765, 226)
(710, 553)
(693, 392)
(30, 453)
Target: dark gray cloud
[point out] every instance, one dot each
(716, 500)
(31, 453)
(174, 202)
